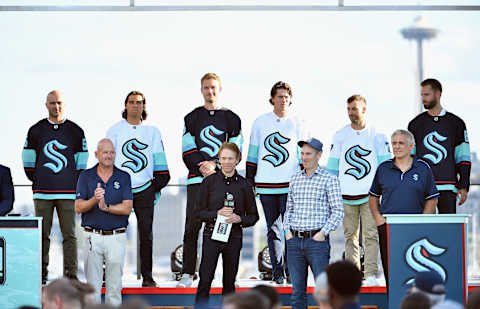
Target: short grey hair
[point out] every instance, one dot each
(408, 134)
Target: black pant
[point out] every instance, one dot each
(211, 250)
(447, 202)
(192, 228)
(382, 239)
(143, 206)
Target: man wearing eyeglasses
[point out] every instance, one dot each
(54, 155)
(140, 153)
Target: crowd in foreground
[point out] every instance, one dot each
(338, 287)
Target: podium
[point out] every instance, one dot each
(423, 243)
(20, 262)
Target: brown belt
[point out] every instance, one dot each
(105, 232)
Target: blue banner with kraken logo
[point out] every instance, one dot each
(415, 247)
(20, 262)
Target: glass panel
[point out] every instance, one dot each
(64, 2)
(411, 2)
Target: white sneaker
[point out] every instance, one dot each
(370, 281)
(185, 282)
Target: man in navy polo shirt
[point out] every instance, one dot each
(406, 186)
(104, 198)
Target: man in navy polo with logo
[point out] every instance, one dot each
(105, 199)
(405, 185)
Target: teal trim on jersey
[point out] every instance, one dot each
(271, 190)
(462, 153)
(237, 140)
(43, 196)
(159, 162)
(332, 166)
(141, 188)
(81, 159)
(252, 154)
(356, 202)
(194, 180)
(447, 188)
(383, 158)
(29, 157)
(299, 154)
(414, 151)
(188, 142)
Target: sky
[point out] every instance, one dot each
(96, 58)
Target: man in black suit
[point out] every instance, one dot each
(6, 191)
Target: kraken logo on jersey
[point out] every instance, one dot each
(431, 143)
(418, 254)
(354, 157)
(131, 150)
(51, 151)
(207, 135)
(278, 154)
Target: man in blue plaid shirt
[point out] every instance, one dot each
(314, 209)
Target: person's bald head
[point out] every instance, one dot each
(54, 105)
(105, 153)
(54, 95)
(104, 142)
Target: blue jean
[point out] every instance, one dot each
(273, 206)
(304, 252)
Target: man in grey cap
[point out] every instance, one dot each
(314, 209)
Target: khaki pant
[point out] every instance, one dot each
(352, 215)
(66, 218)
(111, 250)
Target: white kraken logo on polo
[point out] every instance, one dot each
(415, 177)
(116, 185)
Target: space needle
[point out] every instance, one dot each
(418, 32)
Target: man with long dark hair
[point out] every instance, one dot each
(140, 152)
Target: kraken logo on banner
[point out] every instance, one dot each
(417, 256)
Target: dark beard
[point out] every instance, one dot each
(430, 105)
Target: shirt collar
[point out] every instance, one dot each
(442, 112)
(414, 163)
(232, 178)
(51, 122)
(114, 173)
(317, 170)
